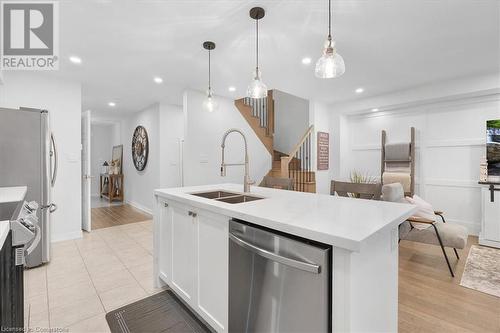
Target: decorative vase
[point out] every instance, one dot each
(483, 170)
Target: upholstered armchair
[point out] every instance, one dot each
(437, 233)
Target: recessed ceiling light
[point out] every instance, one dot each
(112, 104)
(374, 110)
(158, 79)
(306, 60)
(359, 90)
(231, 89)
(75, 59)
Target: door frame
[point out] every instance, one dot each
(86, 171)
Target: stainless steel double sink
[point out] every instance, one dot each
(228, 197)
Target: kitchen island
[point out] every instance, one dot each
(191, 241)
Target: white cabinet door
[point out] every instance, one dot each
(183, 252)
(491, 219)
(212, 269)
(165, 243)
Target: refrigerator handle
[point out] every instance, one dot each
(53, 153)
(51, 207)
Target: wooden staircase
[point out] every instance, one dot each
(259, 113)
(304, 181)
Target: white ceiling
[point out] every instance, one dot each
(387, 45)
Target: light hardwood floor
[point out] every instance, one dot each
(104, 217)
(430, 300)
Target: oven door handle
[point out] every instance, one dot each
(305, 266)
(36, 241)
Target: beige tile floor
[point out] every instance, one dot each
(88, 277)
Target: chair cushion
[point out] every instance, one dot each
(452, 235)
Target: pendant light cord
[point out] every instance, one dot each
(257, 43)
(329, 19)
(209, 72)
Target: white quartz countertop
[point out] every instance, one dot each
(12, 194)
(337, 221)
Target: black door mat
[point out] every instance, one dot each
(162, 312)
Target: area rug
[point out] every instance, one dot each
(482, 270)
(162, 312)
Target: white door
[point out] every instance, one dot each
(86, 177)
(183, 252)
(212, 269)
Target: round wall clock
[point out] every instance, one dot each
(140, 148)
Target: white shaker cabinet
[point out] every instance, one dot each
(163, 241)
(183, 252)
(490, 220)
(193, 259)
(212, 268)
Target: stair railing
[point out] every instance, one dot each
(263, 109)
(298, 164)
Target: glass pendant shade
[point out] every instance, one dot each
(257, 88)
(210, 104)
(331, 64)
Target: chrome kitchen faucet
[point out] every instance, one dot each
(246, 181)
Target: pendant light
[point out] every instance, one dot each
(209, 104)
(331, 64)
(257, 88)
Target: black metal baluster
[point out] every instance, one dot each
(310, 159)
(265, 112)
(306, 144)
(301, 175)
(261, 112)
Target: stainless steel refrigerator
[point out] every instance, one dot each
(28, 156)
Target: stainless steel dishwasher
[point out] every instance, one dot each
(277, 283)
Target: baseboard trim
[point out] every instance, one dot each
(487, 242)
(139, 206)
(66, 236)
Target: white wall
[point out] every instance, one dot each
(165, 126)
(291, 120)
(63, 100)
(139, 185)
(202, 146)
(450, 143)
(171, 136)
(101, 146)
(324, 120)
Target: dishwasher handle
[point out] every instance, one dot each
(305, 266)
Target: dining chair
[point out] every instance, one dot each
(356, 190)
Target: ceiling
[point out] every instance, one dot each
(387, 45)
